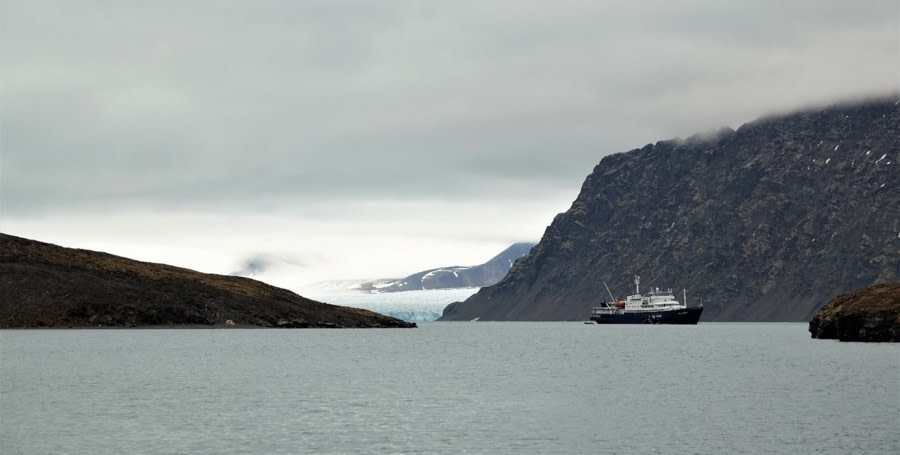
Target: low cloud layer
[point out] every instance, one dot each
(322, 109)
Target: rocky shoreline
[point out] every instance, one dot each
(871, 314)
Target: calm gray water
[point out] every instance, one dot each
(448, 388)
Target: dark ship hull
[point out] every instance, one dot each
(688, 316)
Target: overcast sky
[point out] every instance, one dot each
(316, 140)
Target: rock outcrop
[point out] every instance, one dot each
(44, 285)
(760, 224)
(868, 314)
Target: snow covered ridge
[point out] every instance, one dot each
(452, 277)
(459, 277)
(434, 273)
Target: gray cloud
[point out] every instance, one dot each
(253, 266)
(243, 106)
(264, 263)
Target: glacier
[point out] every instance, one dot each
(412, 306)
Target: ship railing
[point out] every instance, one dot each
(658, 291)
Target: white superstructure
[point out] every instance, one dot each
(655, 300)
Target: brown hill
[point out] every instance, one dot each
(868, 314)
(44, 285)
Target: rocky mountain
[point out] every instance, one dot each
(868, 314)
(451, 277)
(766, 223)
(44, 285)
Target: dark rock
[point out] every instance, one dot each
(868, 314)
(765, 223)
(44, 285)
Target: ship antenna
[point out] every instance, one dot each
(637, 284)
(685, 297)
(607, 290)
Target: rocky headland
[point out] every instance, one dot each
(765, 223)
(45, 285)
(868, 314)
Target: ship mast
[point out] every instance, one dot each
(610, 293)
(637, 284)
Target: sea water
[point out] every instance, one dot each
(472, 387)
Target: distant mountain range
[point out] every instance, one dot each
(450, 277)
(766, 223)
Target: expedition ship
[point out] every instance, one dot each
(657, 307)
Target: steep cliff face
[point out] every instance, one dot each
(765, 223)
